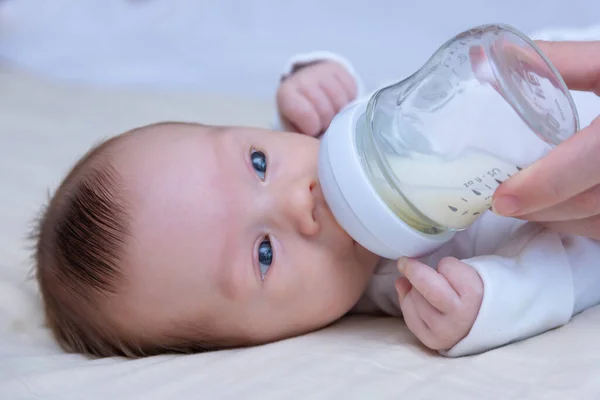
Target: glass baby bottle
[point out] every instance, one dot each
(421, 159)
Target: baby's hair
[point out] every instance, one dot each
(80, 240)
(80, 245)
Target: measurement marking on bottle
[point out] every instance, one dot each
(454, 209)
(463, 199)
(560, 111)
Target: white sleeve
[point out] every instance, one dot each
(535, 282)
(301, 60)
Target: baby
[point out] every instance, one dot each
(179, 237)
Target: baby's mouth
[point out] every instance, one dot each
(322, 212)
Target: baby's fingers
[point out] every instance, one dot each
(433, 286)
(335, 92)
(347, 82)
(298, 110)
(413, 320)
(321, 103)
(463, 278)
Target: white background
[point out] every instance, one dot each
(239, 46)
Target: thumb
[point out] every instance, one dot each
(569, 169)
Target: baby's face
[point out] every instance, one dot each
(231, 236)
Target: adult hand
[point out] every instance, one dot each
(562, 190)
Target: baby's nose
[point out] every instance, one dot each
(299, 204)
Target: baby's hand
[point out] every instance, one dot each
(439, 307)
(310, 98)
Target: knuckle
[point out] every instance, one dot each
(435, 295)
(436, 325)
(349, 83)
(330, 66)
(432, 294)
(445, 265)
(304, 83)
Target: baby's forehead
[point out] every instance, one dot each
(171, 168)
(159, 134)
(128, 163)
(142, 149)
(176, 191)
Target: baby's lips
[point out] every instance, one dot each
(318, 194)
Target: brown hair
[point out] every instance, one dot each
(80, 241)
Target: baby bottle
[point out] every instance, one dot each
(421, 159)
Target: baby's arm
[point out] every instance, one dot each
(314, 87)
(536, 280)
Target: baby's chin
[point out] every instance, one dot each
(364, 256)
(351, 247)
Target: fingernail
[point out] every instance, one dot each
(506, 205)
(402, 264)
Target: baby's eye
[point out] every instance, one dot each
(259, 163)
(265, 257)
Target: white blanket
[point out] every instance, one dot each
(45, 127)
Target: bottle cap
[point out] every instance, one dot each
(355, 203)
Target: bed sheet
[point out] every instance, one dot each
(45, 126)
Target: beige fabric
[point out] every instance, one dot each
(45, 127)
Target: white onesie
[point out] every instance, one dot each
(534, 280)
